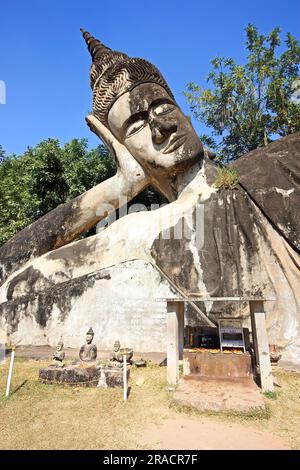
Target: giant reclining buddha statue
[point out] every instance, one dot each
(215, 242)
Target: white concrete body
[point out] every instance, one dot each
(123, 306)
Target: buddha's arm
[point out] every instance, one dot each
(65, 223)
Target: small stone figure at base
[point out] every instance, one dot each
(88, 352)
(116, 357)
(275, 354)
(102, 380)
(59, 355)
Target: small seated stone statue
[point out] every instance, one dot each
(88, 352)
(116, 357)
(59, 355)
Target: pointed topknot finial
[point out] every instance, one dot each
(114, 73)
(90, 331)
(96, 48)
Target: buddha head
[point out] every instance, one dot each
(89, 336)
(132, 99)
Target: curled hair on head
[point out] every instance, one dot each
(114, 73)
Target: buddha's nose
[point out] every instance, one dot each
(162, 129)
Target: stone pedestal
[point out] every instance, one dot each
(206, 394)
(77, 375)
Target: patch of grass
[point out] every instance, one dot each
(226, 179)
(271, 395)
(285, 409)
(40, 416)
(20, 359)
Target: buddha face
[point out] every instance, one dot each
(89, 338)
(154, 130)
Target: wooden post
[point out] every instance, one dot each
(261, 344)
(175, 317)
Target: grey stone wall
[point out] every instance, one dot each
(125, 309)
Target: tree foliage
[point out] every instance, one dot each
(2, 154)
(14, 198)
(50, 174)
(45, 176)
(247, 106)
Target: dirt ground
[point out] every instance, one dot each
(207, 434)
(39, 416)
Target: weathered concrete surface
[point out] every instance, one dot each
(271, 175)
(120, 303)
(139, 163)
(240, 242)
(212, 365)
(241, 395)
(70, 375)
(242, 253)
(85, 376)
(63, 224)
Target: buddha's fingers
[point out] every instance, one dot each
(127, 164)
(101, 131)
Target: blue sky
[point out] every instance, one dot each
(45, 64)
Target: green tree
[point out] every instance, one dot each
(85, 169)
(2, 154)
(45, 176)
(14, 197)
(50, 174)
(249, 105)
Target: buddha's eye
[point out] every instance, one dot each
(135, 127)
(164, 108)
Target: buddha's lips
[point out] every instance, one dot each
(175, 143)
